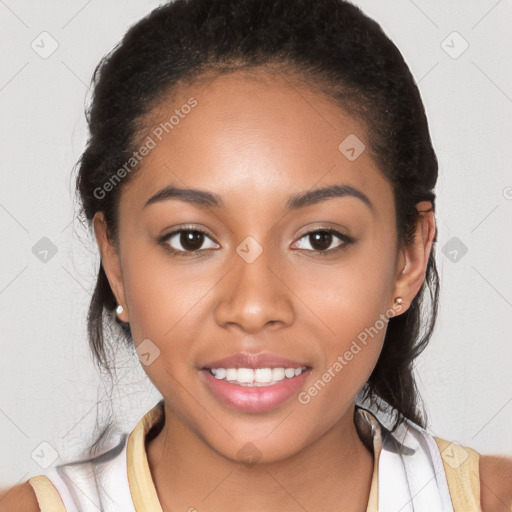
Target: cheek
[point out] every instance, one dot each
(158, 291)
(164, 300)
(351, 345)
(352, 295)
(352, 306)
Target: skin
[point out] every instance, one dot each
(255, 142)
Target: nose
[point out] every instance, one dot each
(255, 295)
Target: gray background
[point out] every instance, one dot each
(48, 385)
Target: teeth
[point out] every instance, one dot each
(220, 373)
(289, 372)
(263, 375)
(277, 373)
(245, 375)
(231, 374)
(256, 377)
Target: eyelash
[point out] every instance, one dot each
(343, 238)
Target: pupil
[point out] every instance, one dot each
(191, 240)
(321, 240)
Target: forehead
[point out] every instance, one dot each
(260, 135)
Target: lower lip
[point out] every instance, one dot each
(255, 398)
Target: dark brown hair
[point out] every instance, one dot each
(329, 45)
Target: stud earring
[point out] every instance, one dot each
(399, 301)
(119, 309)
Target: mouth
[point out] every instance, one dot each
(252, 383)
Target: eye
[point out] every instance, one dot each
(321, 241)
(186, 241)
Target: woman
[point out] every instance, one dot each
(260, 181)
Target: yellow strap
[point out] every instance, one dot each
(142, 487)
(371, 429)
(48, 497)
(461, 465)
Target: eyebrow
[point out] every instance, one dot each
(207, 199)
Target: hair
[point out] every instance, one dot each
(327, 45)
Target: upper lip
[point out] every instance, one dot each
(248, 360)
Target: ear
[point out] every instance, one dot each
(111, 262)
(413, 258)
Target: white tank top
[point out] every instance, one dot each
(410, 474)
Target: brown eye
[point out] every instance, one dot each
(322, 240)
(187, 241)
(191, 240)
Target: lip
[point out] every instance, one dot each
(248, 360)
(254, 398)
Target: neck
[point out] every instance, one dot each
(333, 473)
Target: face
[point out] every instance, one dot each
(257, 273)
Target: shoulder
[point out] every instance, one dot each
(21, 498)
(495, 483)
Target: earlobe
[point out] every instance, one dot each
(110, 260)
(414, 257)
